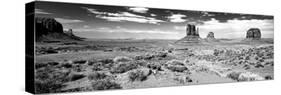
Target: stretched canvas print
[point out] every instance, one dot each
(74, 47)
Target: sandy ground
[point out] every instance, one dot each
(180, 64)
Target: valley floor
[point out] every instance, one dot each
(126, 64)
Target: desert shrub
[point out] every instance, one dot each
(216, 52)
(137, 75)
(106, 61)
(234, 75)
(259, 65)
(97, 67)
(148, 57)
(79, 89)
(80, 61)
(40, 65)
(247, 58)
(155, 66)
(105, 85)
(247, 66)
(78, 68)
(50, 80)
(176, 65)
(90, 63)
(269, 63)
(244, 76)
(183, 79)
(75, 77)
(141, 63)
(138, 57)
(51, 73)
(66, 65)
(53, 63)
(123, 67)
(121, 59)
(42, 75)
(175, 62)
(202, 69)
(186, 61)
(257, 58)
(268, 77)
(176, 68)
(96, 76)
(161, 54)
(248, 76)
(48, 86)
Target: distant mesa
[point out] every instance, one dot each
(46, 26)
(48, 29)
(211, 37)
(253, 34)
(192, 35)
(191, 30)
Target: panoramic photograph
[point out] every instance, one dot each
(84, 47)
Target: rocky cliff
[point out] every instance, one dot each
(191, 30)
(253, 33)
(211, 35)
(48, 29)
(192, 35)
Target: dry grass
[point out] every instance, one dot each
(105, 85)
(97, 76)
(123, 67)
(137, 75)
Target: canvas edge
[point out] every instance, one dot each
(29, 47)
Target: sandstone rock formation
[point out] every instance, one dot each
(211, 35)
(69, 32)
(44, 26)
(192, 35)
(191, 30)
(253, 33)
(48, 29)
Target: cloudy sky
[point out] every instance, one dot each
(114, 22)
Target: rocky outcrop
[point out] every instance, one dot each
(253, 33)
(69, 32)
(191, 30)
(46, 26)
(192, 35)
(48, 29)
(211, 35)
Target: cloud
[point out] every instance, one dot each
(139, 9)
(235, 28)
(123, 16)
(176, 18)
(40, 11)
(86, 26)
(94, 11)
(63, 20)
(119, 29)
(179, 28)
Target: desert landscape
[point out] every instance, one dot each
(68, 61)
(102, 64)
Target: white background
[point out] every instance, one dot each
(12, 32)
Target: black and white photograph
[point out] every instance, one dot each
(92, 47)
